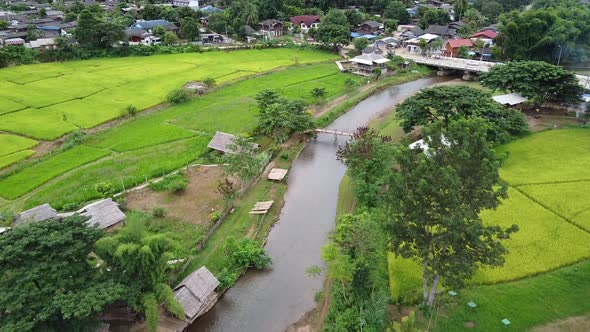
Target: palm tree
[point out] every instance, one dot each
(250, 14)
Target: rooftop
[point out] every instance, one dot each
(104, 213)
(510, 99)
(36, 214)
(194, 292)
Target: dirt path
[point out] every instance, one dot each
(572, 324)
(335, 102)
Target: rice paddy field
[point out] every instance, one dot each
(548, 178)
(159, 142)
(47, 101)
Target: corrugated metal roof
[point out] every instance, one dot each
(38, 213)
(510, 99)
(104, 213)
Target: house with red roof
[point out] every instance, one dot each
(452, 46)
(306, 22)
(487, 36)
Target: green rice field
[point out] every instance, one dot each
(47, 101)
(152, 145)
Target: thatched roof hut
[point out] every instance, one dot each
(104, 213)
(36, 214)
(196, 293)
(221, 141)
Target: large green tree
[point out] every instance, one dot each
(138, 259)
(243, 162)
(434, 16)
(367, 156)
(189, 28)
(47, 282)
(434, 200)
(334, 30)
(279, 117)
(537, 80)
(397, 10)
(447, 103)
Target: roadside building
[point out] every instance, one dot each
(386, 44)
(487, 36)
(42, 44)
(370, 27)
(271, 28)
(452, 46)
(12, 42)
(306, 22)
(186, 3)
(413, 45)
(442, 31)
(366, 64)
(148, 26)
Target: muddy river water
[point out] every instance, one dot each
(271, 300)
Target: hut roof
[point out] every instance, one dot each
(194, 291)
(221, 141)
(36, 214)
(104, 213)
(510, 99)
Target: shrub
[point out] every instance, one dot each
(104, 189)
(159, 212)
(175, 183)
(71, 206)
(178, 96)
(122, 201)
(215, 216)
(130, 110)
(246, 253)
(227, 278)
(210, 82)
(6, 217)
(73, 139)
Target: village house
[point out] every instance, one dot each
(271, 28)
(142, 32)
(366, 64)
(452, 46)
(442, 31)
(186, 3)
(104, 214)
(387, 43)
(413, 45)
(487, 36)
(39, 213)
(221, 142)
(409, 32)
(306, 22)
(42, 44)
(370, 27)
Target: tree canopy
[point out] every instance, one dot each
(537, 80)
(48, 283)
(334, 29)
(280, 118)
(138, 259)
(434, 200)
(446, 103)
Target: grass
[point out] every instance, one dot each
(526, 303)
(50, 100)
(10, 144)
(126, 169)
(17, 184)
(10, 159)
(138, 142)
(405, 280)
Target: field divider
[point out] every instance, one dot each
(566, 219)
(549, 182)
(33, 81)
(310, 80)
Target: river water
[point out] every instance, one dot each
(273, 299)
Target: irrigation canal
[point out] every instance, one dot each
(271, 300)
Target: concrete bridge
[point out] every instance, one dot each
(469, 67)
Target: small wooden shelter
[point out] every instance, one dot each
(196, 293)
(277, 174)
(511, 99)
(221, 141)
(104, 213)
(36, 214)
(261, 207)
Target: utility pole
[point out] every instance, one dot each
(559, 57)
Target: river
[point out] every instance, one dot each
(273, 299)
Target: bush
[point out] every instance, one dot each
(210, 82)
(246, 253)
(122, 201)
(178, 96)
(130, 110)
(175, 183)
(159, 212)
(215, 216)
(6, 217)
(227, 278)
(104, 189)
(71, 206)
(73, 139)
